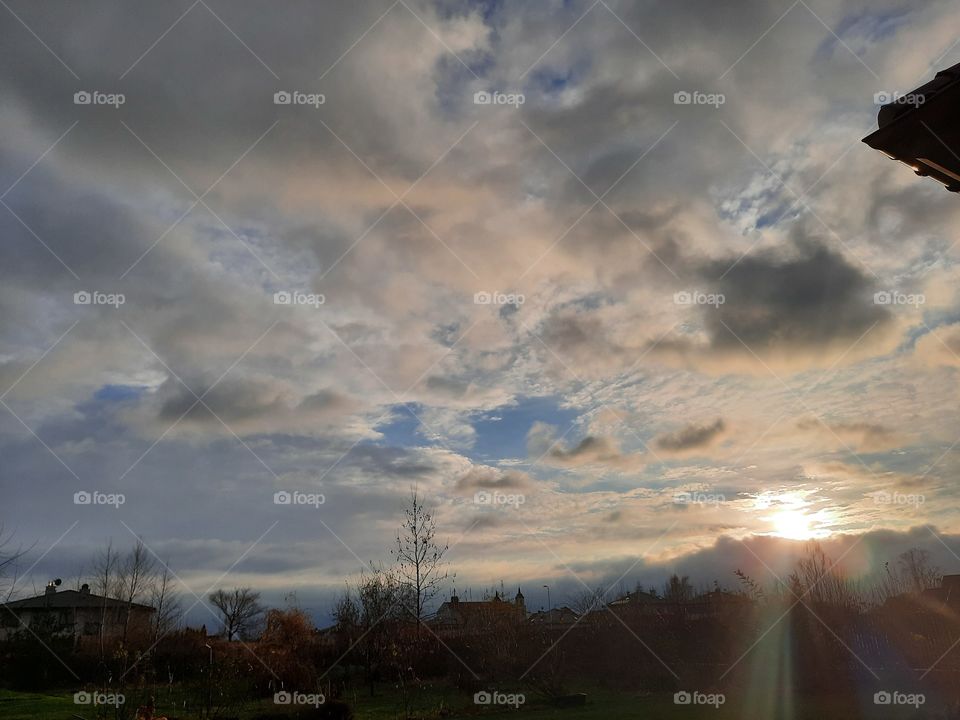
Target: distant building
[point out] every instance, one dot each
(633, 603)
(77, 613)
(717, 602)
(458, 617)
(554, 618)
(637, 598)
(921, 128)
(639, 604)
(948, 593)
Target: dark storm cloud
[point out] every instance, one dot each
(480, 477)
(863, 436)
(810, 297)
(803, 297)
(721, 561)
(232, 400)
(581, 338)
(590, 448)
(691, 437)
(389, 461)
(249, 403)
(450, 387)
(198, 97)
(598, 450)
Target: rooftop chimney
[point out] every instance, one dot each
(84, 589)
(52, 586)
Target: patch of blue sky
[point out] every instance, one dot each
(874, 26)
(858, 32)
(119, 393)
(933, 322)
(784, 210)
(502, 432)
(403, 427)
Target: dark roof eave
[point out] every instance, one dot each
(70, 599)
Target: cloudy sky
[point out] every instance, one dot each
(659, 261)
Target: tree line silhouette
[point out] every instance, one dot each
(836, 635)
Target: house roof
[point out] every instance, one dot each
(468, 610)
(919, 128)
(634, 597)
(894, 110)
(560, 614)
(70, 599)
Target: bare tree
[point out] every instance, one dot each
(373, 613)
(135, 576)
(240, 609)
(753, 589)
(818, 580)
(589, 600)
(9, 556)
(418, 555)
(166, 602)
(917, 571)
(78, 577)
(678, 589)
(105, 572)
(346, 613)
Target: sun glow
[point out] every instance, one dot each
(793, 525)
(793, 519)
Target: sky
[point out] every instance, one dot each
(654, 307)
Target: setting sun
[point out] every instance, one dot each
(793, 525)
(798, 525)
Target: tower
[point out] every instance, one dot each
(520, 603)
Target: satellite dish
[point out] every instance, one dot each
(58, 582)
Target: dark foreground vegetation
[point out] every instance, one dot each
(813, 644)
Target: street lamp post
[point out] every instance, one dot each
(549, 604)
(209, 679)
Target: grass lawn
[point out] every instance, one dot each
(451, 705)
(28, 706)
